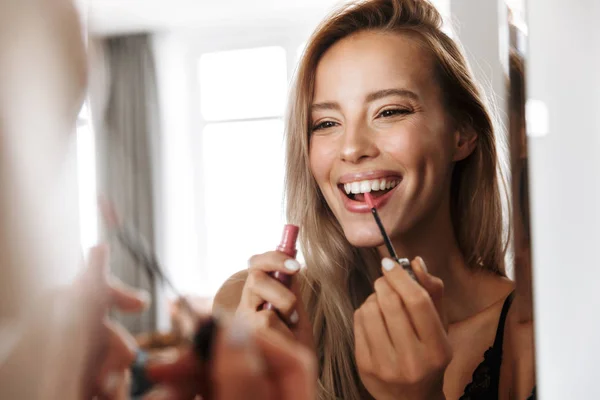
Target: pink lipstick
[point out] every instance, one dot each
(286, 246)
(404, 262)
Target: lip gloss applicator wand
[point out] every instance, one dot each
(404, 262)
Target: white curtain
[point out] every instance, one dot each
(125, 113)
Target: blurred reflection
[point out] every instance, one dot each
(522, 342)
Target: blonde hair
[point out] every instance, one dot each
(339, 277)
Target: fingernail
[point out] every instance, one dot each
(294, 318)
(238, 334)
(159, 393)
(292, 264)
(111, 382)
(422, 264)
(388, 264)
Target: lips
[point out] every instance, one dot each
(381, 184)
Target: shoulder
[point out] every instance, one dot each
(228, 296)
(518, 368)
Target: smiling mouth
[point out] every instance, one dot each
(377, 187)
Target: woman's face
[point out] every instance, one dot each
(379, 125)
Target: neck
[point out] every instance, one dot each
(434, 241)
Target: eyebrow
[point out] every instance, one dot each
(380, 94)
(391, 92)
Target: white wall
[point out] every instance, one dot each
(564, 72)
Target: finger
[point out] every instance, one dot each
(122, 392)
(261, 288)
(112, 386)
(292, 365)
(120, 354)
(238, 368)
(267, 320)
(126, 298)
(377, 335)
(361, 346)
(299, 319)
(433, 285)
(416, 299)
(399, 325)
(274, 261)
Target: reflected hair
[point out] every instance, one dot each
(339, 276)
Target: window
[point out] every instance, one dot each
(243, 183)
(243, 84)
(242, 100)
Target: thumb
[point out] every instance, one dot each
(433, 285)
(293, 366)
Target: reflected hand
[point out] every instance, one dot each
(401, 345)
(112, 348)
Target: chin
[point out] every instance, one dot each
(361, 236)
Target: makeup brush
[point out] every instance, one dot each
(137, 247)
(404, 262)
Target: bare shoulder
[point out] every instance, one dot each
(517, 375)
(229, 295)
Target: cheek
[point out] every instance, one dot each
(322, 157)
(414, 148)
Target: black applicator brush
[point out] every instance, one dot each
(404, 262)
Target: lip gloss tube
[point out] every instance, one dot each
(286, 246)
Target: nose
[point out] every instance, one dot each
(358, 144)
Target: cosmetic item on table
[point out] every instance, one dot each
(404, 262)
(286, 246)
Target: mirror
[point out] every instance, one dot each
(524, 362)
(184, 136)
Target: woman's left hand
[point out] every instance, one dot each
(401, 346)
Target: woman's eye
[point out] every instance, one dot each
(391, 112)
(324, 125)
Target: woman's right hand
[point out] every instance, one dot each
(291, 317)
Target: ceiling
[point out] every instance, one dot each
(111, 17)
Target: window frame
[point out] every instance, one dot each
(290, 38)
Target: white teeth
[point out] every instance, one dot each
(365, 186)
(369, 186)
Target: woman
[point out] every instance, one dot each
(384, 102)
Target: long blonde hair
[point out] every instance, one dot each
(339, 277)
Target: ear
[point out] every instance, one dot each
(465, 141)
